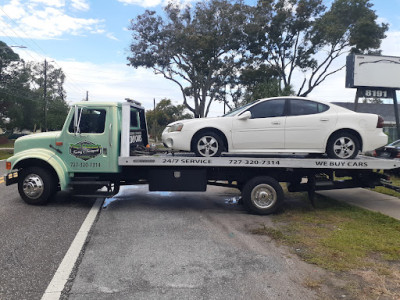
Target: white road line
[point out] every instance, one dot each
(60, 278)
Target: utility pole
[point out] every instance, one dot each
(45, 95)
(155, 122)
(87, 95)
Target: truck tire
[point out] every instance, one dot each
(262, 195)
(36, 185)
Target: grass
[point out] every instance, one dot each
(4, 154)
(337, 236)
(347, 240)
(395, 181)
(8, 144)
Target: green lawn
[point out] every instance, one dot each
(338, 237)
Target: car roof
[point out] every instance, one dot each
(293, 98)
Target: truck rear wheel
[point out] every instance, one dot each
(262, 195)
(36, 185)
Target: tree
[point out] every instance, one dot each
(199, 48)
(163, 114)
(291, 35)
(47, 82)
(9, 69)
(262, 82)
(22, 101)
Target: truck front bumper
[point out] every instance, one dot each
(11, 178)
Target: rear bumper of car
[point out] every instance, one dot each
(374, 140)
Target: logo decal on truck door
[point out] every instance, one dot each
(85, 150)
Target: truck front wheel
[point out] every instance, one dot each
(262, 195)
(36, 185)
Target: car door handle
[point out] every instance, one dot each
(324, 120)
(276, 123)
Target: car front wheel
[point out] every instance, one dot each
(208, 144)
(343, 145)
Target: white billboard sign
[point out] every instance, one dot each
(373, 71)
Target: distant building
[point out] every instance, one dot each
(384, 110)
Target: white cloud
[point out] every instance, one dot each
(111, 37)
(82, 5)
(153, 3)
(115, 82)
(144, 3)
(391, 45)
(54, 3)
(45, 19)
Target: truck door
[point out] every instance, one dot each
(89, 147)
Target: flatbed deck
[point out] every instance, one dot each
(295, 162)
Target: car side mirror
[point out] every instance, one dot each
(245, 116)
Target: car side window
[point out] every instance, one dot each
(92, 121)
(305, 107)
(268, 109)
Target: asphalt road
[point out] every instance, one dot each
(184, 246)
(34, 240)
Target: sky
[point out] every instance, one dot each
(89, 40)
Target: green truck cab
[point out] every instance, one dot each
(82, 157)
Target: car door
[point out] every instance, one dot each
(265, 128)
(308, 124)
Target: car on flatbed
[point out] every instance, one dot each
(280, 124)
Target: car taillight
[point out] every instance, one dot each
(398, 155)
(380, 122)
(374, 153)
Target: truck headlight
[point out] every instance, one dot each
(176, 127)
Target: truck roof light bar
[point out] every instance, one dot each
(133, 101)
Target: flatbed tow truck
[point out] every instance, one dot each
(103, 145)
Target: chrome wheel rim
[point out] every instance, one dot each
(344, 147)
(207, 146)
(264, 196)
(33, 186)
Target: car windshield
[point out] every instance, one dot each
(238, 110)
(395, 144)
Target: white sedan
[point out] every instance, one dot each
(280, 125)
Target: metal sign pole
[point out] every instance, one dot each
(396, 113)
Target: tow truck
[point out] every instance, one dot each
(102, 146)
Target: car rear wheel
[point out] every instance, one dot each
(343, 145)
(208, 144)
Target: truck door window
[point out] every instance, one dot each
(92, 121)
